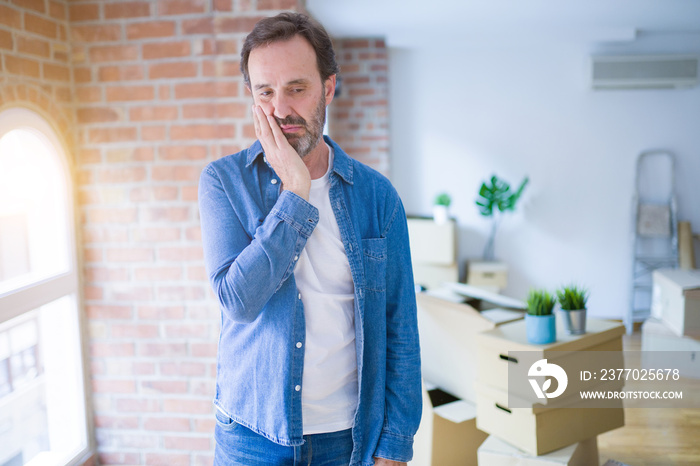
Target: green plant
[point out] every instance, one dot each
(498, 195)
(443, 199)
(540, 303)
(572, 297)
(495, 199)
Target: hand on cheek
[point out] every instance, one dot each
(283, 158)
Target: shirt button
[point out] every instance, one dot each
(298, 344)
(297, 388)
(273, 181)
(296, 257)
(265, 159)
(299, 295)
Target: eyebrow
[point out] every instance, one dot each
(290, 83)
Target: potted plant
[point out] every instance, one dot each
(494, 200)
(572, 300)
(539, 321)
(441, 208)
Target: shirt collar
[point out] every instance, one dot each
(342, 164)
(253, 152)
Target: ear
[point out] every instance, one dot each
(329, 88)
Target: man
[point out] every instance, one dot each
(307, 251)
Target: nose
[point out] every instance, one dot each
(281, 107)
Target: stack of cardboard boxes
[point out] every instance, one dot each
(457, 413)
(675, 313)
(448, 434)
(536, 434)
(433, 251)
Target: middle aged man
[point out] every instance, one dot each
(307, 251)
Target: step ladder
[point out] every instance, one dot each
(655, 229)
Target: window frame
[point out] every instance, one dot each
(26, 298)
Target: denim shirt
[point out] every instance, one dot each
(253, 234)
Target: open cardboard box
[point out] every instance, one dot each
(448, 341)
(485, 297)
(447, 434)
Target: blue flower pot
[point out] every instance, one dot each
(541, 330)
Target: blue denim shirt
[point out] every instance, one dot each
(252, 235)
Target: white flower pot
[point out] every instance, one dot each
(440, 214)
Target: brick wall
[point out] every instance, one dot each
(359, 117)
(34, 60)
(146, 93)
(158, 96)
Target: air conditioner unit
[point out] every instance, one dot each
(644, 72)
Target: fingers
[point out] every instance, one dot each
(264, 132)
(256, 125)
(281, 156)
(262, 126)
(277, 133)
(268, 131)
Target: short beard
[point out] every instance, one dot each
(313, 132)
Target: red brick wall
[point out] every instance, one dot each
(146, 93)
(359, 117)
(34, 61)
(158, 96)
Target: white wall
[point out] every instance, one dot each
(461, 113)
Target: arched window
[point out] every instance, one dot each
(43, 419)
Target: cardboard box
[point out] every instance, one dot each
(432, 243)
(434, 276)
(496, 452)
(488, 274)
(494, 345)
(676, 300)
(658, 337)
(484, 298)
(539, 430)
(447, 434)
(448, 342)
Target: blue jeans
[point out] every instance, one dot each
(236, 445)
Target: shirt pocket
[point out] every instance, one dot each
(374, 259)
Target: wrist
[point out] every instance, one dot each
(300, 190)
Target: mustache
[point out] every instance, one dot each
(295, 120)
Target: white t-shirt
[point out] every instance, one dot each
(322, 274)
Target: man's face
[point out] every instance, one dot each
(285, 82)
